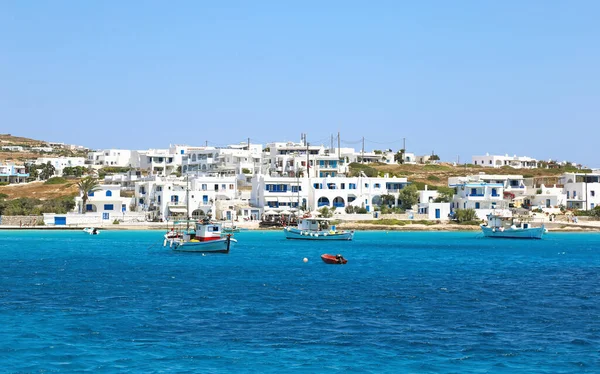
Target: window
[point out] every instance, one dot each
(123, 207)
(204, 187)
(343, 186)
(366, 185)
(231, 186)
(592, 193)
(491, 162)
(105, 216)
(89, 207)
(351, 186)
(108, 207)
(223, 186)
(108, 193)
(377, 185)
(90, 193)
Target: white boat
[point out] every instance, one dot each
(91, 231)
(316, 229)
(207, 237)
(508, 227)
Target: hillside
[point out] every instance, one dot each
(39, 190)
(436, 175)
(20, 157)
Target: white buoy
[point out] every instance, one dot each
(305, 259)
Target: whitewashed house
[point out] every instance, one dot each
(11, 173)
(482, 196)
(60, 163)
(106, 202)
(167, 197)
(498, 161)
(114, 157)
(582, 190)
(433, 210)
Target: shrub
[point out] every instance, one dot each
(56, 180)
(116, 222)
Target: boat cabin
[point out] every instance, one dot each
(506, 222)
(314, 224)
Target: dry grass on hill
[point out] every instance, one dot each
(438, 174)
(39, 190)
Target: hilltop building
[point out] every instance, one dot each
(496, 161)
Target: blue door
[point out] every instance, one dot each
(60, 221)
(437, 214)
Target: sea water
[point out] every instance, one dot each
(405, 302)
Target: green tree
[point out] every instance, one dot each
(409, 196)
(87, 185)
(445, 194)
(388, 200)
(48, 171)
(32, 170)
(466, 215)
(326, 212)
(399, 156)
(434, 157)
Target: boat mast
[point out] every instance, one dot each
(187, 202)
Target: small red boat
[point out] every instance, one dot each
(333, 259)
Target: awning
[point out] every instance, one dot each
(177, 210)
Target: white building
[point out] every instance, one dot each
(166, 197)
(232, 160)
(11, 173)
(547, 197)
(582, 190)
(481, 195)
(497, 161)
(106, 201)
(115, 158)
(162, 162)
(333, 192)
(289, 159)
(60, 163)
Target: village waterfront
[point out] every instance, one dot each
(405, 302)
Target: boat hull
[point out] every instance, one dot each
(333, 260)
(210, 246)
(294, 233)
(530, 233)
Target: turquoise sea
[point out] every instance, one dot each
(420, 302)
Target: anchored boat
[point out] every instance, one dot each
(316, 229)
(509, 227)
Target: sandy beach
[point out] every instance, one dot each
(590, 226)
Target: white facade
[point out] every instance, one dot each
(314, 193)
(481, 196)
(163, 162)
(106, 201)
(582, 190)
(166, 197)
(60, 163)
(435, 211)
(497, 161)
(114, 157)
(549, 197)
(11, 173)
(289, 159)
(232, 160)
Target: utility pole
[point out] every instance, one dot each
(339, 151)
(362, 153)
(248, 144)
(307, 161)
(331, 144)
(206, 143)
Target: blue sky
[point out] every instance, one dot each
(458, 78)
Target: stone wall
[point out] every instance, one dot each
(21, 221)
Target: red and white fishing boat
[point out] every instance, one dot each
(206, 237)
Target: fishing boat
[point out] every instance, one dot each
(91, 231)
(230, 229)
(333, 259)
(508, 227)
(310, 228)
(206, 237)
